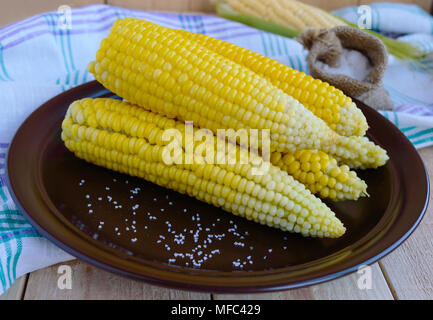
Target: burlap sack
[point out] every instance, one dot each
(327, 46)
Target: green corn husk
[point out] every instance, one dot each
(401, 50)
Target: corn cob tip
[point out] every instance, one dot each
(321, 174)
(340, 230)
(352, 121)
(358, 152)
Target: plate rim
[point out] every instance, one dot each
(94, 86)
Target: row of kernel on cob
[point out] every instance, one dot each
(171, 76)
(290, 13)
(123, 137)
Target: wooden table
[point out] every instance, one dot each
(406, 273)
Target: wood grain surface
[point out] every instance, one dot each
(16, 292)
(406, 273)
(409, 268)
(343, 288)
(89, 282)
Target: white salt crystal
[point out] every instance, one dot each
(352, 64)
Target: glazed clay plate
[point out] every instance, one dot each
(135, 228)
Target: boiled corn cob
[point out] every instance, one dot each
(289, 13)
(321, 174)
(162, 70)
(315, 169)
(120, 136)
(325, 101)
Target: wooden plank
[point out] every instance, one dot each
(89, 282)
(408, 270)
(409, 267)
(427, 5)
(12, 11)
(16, 292)
(339, 289)
(166, 5)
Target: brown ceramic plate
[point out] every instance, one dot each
(174, 240)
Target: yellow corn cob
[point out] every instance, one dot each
(289, 13)
(317, 17)
(129, 139)
(310, 18)
(321, 174)
(270, 13)
(160, 69)
(325, 101)
(326, 20)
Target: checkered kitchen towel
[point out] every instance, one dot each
(40, 59)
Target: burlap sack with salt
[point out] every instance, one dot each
(327, 46)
